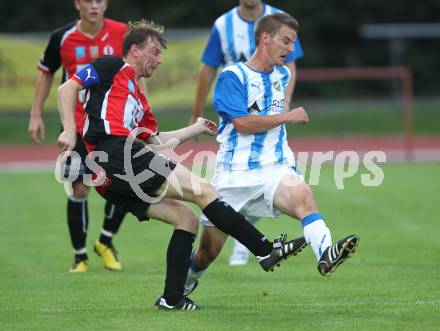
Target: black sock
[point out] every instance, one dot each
(78, 223)
(178, 261)
(112, 221)
(230, 222)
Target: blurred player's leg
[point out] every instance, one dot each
(240, 254)
(211, 243)
(78, 222)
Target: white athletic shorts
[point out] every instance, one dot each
(251, 192)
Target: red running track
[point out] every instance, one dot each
(426, 148)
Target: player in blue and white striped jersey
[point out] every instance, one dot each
(231, 41)
(243, 91)
(255, 171)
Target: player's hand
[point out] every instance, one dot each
(297, 115)
(67, 140)
(193, 118)
(36, 128)
(206, 126)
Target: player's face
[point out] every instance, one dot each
(91, 11)
(280, 45)
(250, 4)
(150, 57)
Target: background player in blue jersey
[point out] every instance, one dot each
(232, 40)
(255, 171)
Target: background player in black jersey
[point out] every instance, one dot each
(72, 47)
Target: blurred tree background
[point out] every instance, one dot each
(330, 36)
(329, 30)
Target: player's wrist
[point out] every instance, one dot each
(197, 112)
(36, 113)
(284, 118)
(199, 126)
(69, 129)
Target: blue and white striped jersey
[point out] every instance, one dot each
(241, 91)
(232, 39)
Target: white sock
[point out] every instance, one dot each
(238, 247)
(194, 273)
(80, 251)
(106, 233)
(193, 276)
(317, 234)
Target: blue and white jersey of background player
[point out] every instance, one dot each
(232, 39)
(241, 91)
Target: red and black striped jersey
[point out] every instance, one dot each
(69, 48)
(115, 104)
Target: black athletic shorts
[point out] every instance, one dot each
(74, 167)
(131, 184)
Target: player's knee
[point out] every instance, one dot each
(304, 201)
(186, 219)
(80, 190)
(207, 194)
(180, 215)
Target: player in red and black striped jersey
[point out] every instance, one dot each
(132, 175)
(117, 107)
(72, 47)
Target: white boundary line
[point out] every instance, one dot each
(27, 167)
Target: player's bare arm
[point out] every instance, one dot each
(172, 139)
(255, 123)
(291, 85)
(67, 94)
(36, 125)
(206, 79)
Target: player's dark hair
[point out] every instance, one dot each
(140, 32)
(271, 24)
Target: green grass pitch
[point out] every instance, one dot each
(391, 283)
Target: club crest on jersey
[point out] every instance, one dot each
(94, 52)
(80, 52)
(277, 86)
(108, 50)
(131, 86)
